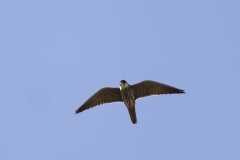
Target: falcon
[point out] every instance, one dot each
(128, 94)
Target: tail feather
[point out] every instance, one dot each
(132, 114)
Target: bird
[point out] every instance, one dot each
(128, 94)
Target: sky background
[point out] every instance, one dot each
(55, 54)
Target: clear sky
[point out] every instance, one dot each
(55, 54)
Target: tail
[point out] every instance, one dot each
(132, 114)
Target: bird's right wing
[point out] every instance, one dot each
(104, 95)
(148, 88)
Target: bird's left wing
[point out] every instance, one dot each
(148, 88)
(104, 95)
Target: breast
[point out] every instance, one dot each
(127, 95)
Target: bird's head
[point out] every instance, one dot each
(123, 84)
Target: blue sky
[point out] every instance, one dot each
(55, 54)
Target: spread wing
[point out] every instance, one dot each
(104, 95)
(148, 88)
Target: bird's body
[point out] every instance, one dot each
(128, 94)
(128, 98)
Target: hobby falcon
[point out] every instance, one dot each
(128, 94)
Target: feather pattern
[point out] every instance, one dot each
(104, 95)
(148, 88)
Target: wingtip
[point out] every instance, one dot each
(181, 91)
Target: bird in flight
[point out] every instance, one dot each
(128, 94)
